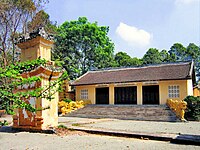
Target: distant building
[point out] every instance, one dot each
(140, 85)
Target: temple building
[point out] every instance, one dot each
(147, 85)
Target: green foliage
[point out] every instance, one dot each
(177, 52)
(4, 123)
(59, 63)
(165, 56)
(122, 59)
(152, 56)
(67, 100)
(42, 19)
(192, 52)
(82, 46)
(76, 124)
(62, 126)
(193, 108)
(11, 79)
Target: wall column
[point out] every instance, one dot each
(92, 94)
(139, 94)
(190, 87)
(160, 94)
(111, 94)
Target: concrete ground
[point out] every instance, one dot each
(38, 141)
(176, 132)
(25, 140)
(191, 127)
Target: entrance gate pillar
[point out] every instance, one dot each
(38, 45)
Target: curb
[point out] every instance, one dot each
(173, 138)
(187, 139)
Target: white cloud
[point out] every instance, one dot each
(133, 35)
(185, 2)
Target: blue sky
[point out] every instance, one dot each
(136, 25)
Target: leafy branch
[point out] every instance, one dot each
(12, 94)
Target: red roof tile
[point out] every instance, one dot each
(172, 71)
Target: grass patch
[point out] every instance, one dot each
(61, 126)
(76, 124)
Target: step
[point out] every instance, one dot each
(129, 112)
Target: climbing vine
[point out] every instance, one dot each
(11, 80)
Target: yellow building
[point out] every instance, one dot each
(196, 91)
(151, 85)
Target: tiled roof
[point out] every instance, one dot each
(171, 71)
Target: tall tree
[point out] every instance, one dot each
(152, 56)
(124, 60)
(178, 52)
(165, 56)
(14, 15)
(83, 45)
(42, 19)
(136, 61)
(193, 53)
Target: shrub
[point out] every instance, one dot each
(4, 123)
(193, 108)
(67, 100)
(62, 126)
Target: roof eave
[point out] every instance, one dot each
(191, 69)
(186, 78)
(74, 82)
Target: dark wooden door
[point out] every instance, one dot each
(126, 95)
(150, 94)
(102, 95)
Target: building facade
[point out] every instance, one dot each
(150, 85)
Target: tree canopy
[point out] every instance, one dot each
(19, 17)
(152, 56)
(82, 46)
(177, 52)
(123, 59)
(42, 19)
(14, 16)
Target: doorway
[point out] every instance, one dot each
(150, 94)
(102, 95)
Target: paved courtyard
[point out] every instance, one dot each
(190, 127)
(37, 141)
(26, 140)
